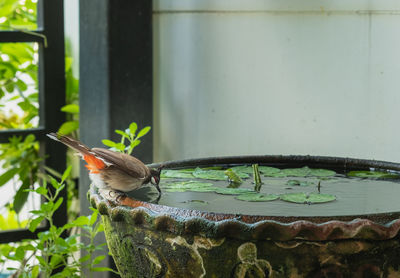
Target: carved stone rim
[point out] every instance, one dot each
(250, 227)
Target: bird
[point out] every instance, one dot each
(112, 170)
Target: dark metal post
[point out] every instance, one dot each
(116, 74)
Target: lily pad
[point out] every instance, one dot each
(257, 197)
(210, 174)
(243, 169)
(180, 174)
(299, 183)
(266, 170)
(323, 173)
(305, 172)
(297, 172)
(232, 191)
(304, 198)
(188, 186)
(373, 175)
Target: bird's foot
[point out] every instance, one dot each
(117, 195)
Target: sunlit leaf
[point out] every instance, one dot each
(108, 143)
(132, 128)
(70, 108)
(68, 127)
(143, 131)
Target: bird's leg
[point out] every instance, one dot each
(158, 189)
(119, 195)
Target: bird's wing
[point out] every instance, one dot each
(127, 163)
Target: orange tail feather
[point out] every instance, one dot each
(93, 163)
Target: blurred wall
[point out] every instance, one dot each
(276, 77)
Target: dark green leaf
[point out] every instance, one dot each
(66, 173)
(176, 174)
(304, 198)
(34, 223)
(58, 203)
(373, 175)
(299, 183)
(232, 191)
(21, 196)
(98, 259)
(257, 197)
(35, 271)
(8, 175)
(210, 174)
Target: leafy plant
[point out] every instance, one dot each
(18, 14)
(130, 135)
(54, 249)
(21, 160)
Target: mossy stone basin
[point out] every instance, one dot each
(154, 240)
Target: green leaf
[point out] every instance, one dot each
(41, 190)
(132, 129)
(181, 174)
(134, 144)
(232, 191)
(66, 173)
(189, 186)
(93, 218)
(35, 271)
(54, 183)
(373, 175)
(101, 269)
(81, 220)
(34, 223)
(98, 259)
(20, 253)
(257, 197)
(143, 131)
(311, 198)
(108, 143)
(70, 108)
(68, 127)
(210, 174)
(122, 133)
(58, 203)
(21, 196)
(8, 175)
(120, 147)
(299, 183)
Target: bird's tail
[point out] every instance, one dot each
(70, 142)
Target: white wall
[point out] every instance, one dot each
(276, 77)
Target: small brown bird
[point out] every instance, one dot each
(112, 170)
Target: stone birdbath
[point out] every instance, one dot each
(312, 217)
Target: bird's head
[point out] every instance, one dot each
(155, 175)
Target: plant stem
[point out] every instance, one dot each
(257, 178)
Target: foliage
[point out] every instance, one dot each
(130, 135)
(18, 14)
(54, 249)
(71, 126)
(20, 159)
